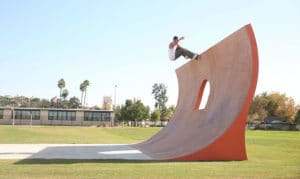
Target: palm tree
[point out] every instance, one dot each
(61, 84)
(65, 93)
(83, 88)
(86, 84)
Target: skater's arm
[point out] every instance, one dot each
(174, 43)
(171, 45)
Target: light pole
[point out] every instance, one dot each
(13, 116)
(114, 108)
(30, 113)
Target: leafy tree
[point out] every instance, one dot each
(126, 110)
(168, 114)
(281, 106)
(273, 104)
(61, 84)
(96, 107)
(63, 104)
(155, 115)
(65, 94)
(44, 103)
(160, 95)
(22, 101)
(34, 102)
(297, 117)
(117, 110)
(133, 110)
(258, 108)
(74, 102)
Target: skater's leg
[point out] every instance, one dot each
(184, 52)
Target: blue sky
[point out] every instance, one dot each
(124, 43)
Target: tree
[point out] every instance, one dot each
(86, 84)
(258, 107)
(141, 111)
(297, 117)
(74, 102)
(281, 106)
(168, 114)
(118, 115)
(83, 89)
(44, 103)
(160, 95)
(34, 102)
(65, 94)
(61, 84)
(63, 104)
(133, 110)
(273, 104)
(126, 111)
(155, 115)
(82, 92)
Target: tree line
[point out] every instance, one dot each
(55, 102)
(135, 110)
(63, 93)
(263, 105)
(274, 104)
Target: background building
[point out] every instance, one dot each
(55, 116)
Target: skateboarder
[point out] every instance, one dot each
(176, 51)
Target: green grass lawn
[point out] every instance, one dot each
(271, 154)
(73, 135)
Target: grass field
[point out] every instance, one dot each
(271, 154)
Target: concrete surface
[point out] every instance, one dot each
(70, 151)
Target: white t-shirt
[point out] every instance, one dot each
(172, 53)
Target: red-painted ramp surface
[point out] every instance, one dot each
(216, 132)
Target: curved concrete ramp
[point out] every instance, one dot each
(216, 132)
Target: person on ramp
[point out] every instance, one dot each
(175, 51)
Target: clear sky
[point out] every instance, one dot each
(124, 43)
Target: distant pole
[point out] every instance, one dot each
(30, 119)
(30, 112)
(114, 108)
(13, 116)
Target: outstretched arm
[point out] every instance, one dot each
(181, 38)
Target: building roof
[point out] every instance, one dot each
(56, 109)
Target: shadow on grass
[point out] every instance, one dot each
(110, 161)
(61, 154)
(72, 161)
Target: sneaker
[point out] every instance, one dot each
(198, 57)
(195, 57)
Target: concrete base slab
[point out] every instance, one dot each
(71, 151)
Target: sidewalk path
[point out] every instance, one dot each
(70, 151)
